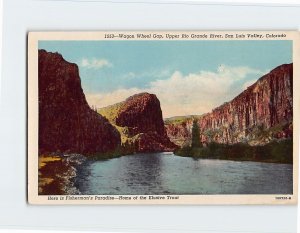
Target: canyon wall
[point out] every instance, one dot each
(66, 122)
(261, 113)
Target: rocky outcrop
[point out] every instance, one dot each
(179, 130)
(261, 113)
(141, 113)
(66, 122)
(139, 120)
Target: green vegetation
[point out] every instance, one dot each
(196, 135)
(125, 149)
(277, 151)
(107, 155)
(211, 133)
(110, 113)
(260, 133)
(130, 146)
(179, 119)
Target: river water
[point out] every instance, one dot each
(165, 173)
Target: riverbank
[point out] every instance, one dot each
(57, 173)
(273, 152)
(123, 150)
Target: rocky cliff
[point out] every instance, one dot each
(261, 113)
(66, 122)
(139, 120)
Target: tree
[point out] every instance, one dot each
(196, 135)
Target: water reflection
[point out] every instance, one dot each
(161, 173)
(144, 173)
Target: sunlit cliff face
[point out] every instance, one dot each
(259, 114)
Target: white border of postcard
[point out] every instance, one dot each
(34, 198)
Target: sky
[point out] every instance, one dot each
(188, 77)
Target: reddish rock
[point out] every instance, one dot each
(180, 133)
(259, 114)
(142, 111)
(153, 142)
(66, 122)
(141, 116)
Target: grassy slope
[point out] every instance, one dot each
(111, 112)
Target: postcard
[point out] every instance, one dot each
(163, 117)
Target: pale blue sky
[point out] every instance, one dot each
(151, 60)
(110, 66)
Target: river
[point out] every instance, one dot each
(165, 173)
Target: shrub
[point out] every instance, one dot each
(275, 151)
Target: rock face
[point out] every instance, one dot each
(179, 130)
(139, 120)
(66, 122)
(261, 113)
(142, 114)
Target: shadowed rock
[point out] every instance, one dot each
(66, 122)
